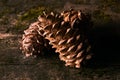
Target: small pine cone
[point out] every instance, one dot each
(67, 34)
(33, 43)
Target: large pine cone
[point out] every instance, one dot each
(66, 32)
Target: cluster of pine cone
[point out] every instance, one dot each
(65, 32)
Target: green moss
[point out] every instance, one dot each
(33, 13)
(28, 17)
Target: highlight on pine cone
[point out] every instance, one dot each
(66, 32)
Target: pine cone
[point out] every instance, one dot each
(33, 43)
(67, 33)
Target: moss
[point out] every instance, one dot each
(26, 18)
(33, 13)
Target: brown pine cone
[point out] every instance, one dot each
(33, 43)
(67, 34)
